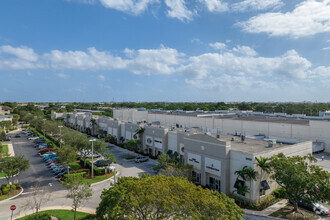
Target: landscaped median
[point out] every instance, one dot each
(9, 190)
(60, 214)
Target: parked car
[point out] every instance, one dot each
(33, 138)
(46, 149)
(102, 163)
(314, 207)
(61, 174)
(17, 136)
(140, 159)
(50, 162)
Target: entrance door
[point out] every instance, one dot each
(214, 183)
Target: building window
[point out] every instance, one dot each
(263, 187)
(214, 184)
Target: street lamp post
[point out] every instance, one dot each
(44, 126)
(92, 140)
(60, 126)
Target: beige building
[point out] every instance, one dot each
(201, 143)
(288, 129)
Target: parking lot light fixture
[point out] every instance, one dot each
(60, 126)
(44, 126)
(92, 140)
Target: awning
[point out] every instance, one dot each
(264, 185)
(239, 182)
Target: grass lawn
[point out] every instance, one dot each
(4, 149)
(74, 165)
(287, 213)
(2, 175)
(99, 178)
(61, 214)
(11, 194)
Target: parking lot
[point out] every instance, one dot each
(129, 167)
(37, 172)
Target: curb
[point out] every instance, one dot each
(117, 173)
(13, 196)
(86, 210)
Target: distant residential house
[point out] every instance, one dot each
(5, 110)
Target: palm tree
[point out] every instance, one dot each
(264, 166)
(93, 122)
(241, 189)
(247, 173)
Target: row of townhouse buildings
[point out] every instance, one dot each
(214, 157)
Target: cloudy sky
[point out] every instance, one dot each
(165, 50)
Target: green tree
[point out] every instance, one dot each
(161, 197)
(12, 166)
(162, 162)
(300, 179)
(67, 155)
(78, 190)
(133, 145)
(109, 157)
(2, 135)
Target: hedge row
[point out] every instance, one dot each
(97, 171)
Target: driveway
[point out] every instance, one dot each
(37, 172)
(129, 167)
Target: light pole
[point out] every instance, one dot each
(60, 126)
(114, 177)
(92, 140)
(44, 126)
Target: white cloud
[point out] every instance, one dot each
(218, 45)
(240, 65)
(178, 9)
(22, 52)
(83, 1)
(248, 5)
(153, 61)
(101, 77)
(29, 74)
(196, 40)
(245, 50)
(134, 7)
(326, 48)
(308, 18)
(62, 75)
(215, 5)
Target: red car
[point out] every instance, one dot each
(50, 162)
(46, 149)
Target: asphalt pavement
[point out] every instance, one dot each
(38, 173)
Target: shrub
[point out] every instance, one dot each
(89, 217)
(97, 171)
(74, 166)
(0, 192)
(42, 216)
(13, 187)
(266, 202)
(18, 186)
(5, 191)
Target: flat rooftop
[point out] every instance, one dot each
(248, 145)
(260, 118)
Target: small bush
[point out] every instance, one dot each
(278, 193)
(75, 166)
(13, 187)
(89, 217)
(42, 216)
(18, 186)
(0, 192)
(5, 191)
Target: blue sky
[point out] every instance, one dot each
(164, 50)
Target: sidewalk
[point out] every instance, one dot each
(269, 210)
(11, 150)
